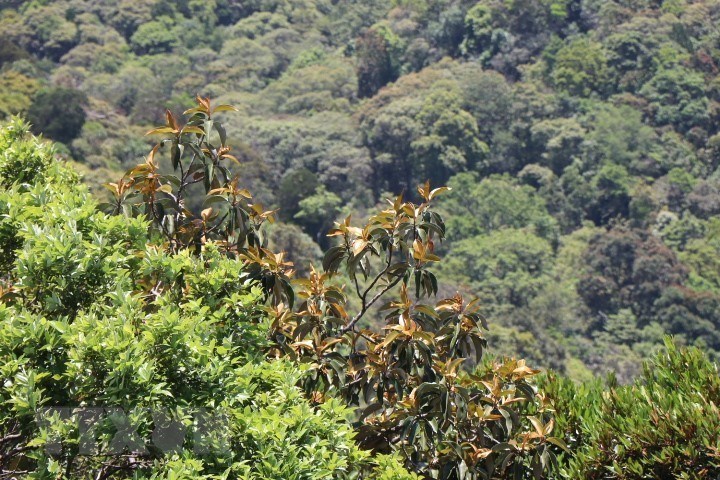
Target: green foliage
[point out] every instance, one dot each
(494, 203)
(580, 67)
(478, 23)
(23, 159)
(677, 97)
(314, 83)
(505, 267)
(561, 140)
(322, 144)
(154, 37)
(317, 211)
(700, 256)
(663, 426)
(18, 91)
(375, 66)
(611, 189)
(389, 469)
(509, 34)
(450, 142)
(422, 134)
(619, 136)
(294, 187)
(50, 32)
(9, 52)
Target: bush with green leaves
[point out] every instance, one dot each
(22, 159)
(664, 425)
(96, 314)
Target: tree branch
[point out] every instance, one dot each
(374, 299)
(363, 297)
(377, 277)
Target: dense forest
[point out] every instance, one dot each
(579, 136)
(580, 142)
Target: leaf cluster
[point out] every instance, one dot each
(664, 425)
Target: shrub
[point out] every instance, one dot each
(22, 158)
(665, 425)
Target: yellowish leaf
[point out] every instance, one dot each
(358, 246)
(193, 129)
(225, 108)
(161, 130)
(438, 191)
(192, 110)
(537, 424)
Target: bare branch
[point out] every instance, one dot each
(369, 304)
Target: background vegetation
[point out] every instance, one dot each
(581, 134)
(116, 312)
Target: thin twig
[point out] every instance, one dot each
(377, 296)
(363, 298)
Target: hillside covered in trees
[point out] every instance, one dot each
(580, 139)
